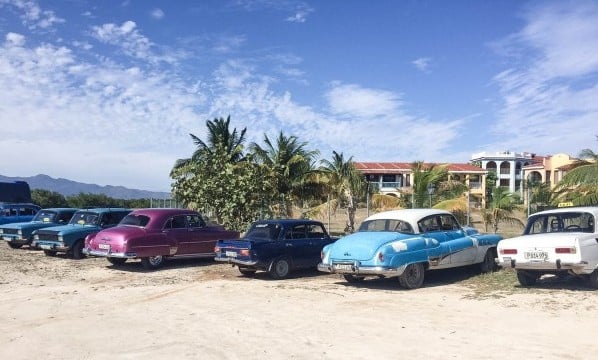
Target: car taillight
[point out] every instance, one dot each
(216, 249)
(244, 252)
(380, 256)
(508, 251)
(566, 250)
(322, 255)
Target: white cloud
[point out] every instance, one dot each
(351, 99)
(32, 15)
(14, 39)
(550, 101)
(157, 14)
(300, 15)
(422, 64)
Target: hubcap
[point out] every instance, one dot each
(155, 260)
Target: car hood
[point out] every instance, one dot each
(69, 228)
(362, 245)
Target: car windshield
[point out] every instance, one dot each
(85, 218)
(264, 231)
(135, 220)
(560, 222)
(393, 225)
(45, 216)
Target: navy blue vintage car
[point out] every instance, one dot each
(406, 243)
(275, 246)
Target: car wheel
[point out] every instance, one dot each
(116, 261)
(280, 269)
(593, 279)
(527, 278)
(353, 278)
(77, 250)
(489, 265)
(152, 262)
(413, 276)
(15, 246)
(50, 252)
(246, 271)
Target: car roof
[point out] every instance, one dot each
(590, 209)
(60, 209)
(410, 215)
(288, 221)
(162, 211)
(103, 210)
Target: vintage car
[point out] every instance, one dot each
(17, 212)
(406, 243)
(562, 241)
(153, 235)
(19, 234)
(276, 246)
(70, 238)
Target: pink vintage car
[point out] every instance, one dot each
(153, 235)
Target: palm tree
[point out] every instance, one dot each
(580, 184)
(501, 209)
(219, 137)
(290, 164)
(345, 183)
(424, 175)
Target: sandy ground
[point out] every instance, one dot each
(58, 308)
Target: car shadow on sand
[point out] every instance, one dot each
(563, 282)
(134, 265)
(432, 278)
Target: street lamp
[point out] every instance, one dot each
(431, 187)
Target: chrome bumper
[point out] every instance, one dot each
(544, 265)
(90, 252)
(236, 261)
(14, 239)
(365, 271)
(54, 247)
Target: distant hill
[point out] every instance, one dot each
(69, 187)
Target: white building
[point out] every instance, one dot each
(507, 166)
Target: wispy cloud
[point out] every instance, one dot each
(157, 14)
(32, 15)
(300, 14)
(422, 64)
(551, 99)
(300, 10)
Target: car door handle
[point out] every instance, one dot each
(288, 245)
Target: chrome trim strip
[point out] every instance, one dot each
(366, 271)
(236, 261)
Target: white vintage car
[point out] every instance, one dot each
(560, 241)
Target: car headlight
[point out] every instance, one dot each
(35, 237)
(60, 238)
(19, 232)
(1, 231)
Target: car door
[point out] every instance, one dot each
(430, 227)
(463, 249)
(201, 238)
(297, 245)
(317, 240)
(177, 235)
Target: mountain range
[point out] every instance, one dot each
(69, 187)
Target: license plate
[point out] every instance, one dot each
(104, 246)
(231, 254)
(45, 247)
(536, 255)
(345, 267)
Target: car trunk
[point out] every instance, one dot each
(361, 245)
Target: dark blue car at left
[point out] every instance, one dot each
(276, 246)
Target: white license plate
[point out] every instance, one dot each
(104, 246)
(45, 247)
(231, 254)
(536, 255)
(345, 267)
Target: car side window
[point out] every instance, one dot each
(195, 221)
(296, 232)
(448, 222)
(315, 231)
(178, 222)
(428, 224)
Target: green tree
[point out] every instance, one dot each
(290, 168)
(500, 209)
(48, 199)
(423, 176)
(84, 200)
(580, 184)
(220, 180)
(345, 184)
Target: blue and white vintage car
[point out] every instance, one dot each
(562, 241)
(406, 243)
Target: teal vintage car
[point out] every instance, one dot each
(70, 238)
(17, 212)
(406, 244)
(21, 233)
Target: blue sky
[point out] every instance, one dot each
(107, 92)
